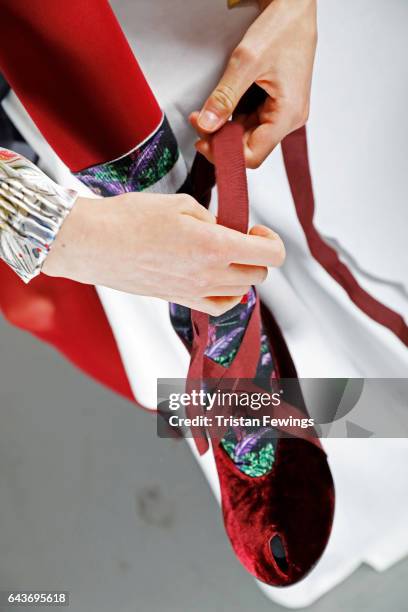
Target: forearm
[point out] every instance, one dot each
(80, 82)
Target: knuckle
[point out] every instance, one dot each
(185, 201)
(244, 54)
(254, 162)
(300, 114)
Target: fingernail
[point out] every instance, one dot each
(208, 120)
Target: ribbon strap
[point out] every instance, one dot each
(233, 212)
(295, 155)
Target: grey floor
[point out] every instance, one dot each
(94, 503)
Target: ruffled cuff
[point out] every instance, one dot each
(32, 211)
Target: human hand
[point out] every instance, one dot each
(165, 246)
(277, 54)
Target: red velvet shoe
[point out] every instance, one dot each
(278, 523)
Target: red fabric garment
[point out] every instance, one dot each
(73, 70)
(70, 317)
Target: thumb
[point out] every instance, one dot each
(222, 102)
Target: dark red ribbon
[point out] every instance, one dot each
(295, 155)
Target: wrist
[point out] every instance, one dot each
(69, 252)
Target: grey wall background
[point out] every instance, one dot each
(91, 501)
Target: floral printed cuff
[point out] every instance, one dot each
(155, 165)
(32, 210)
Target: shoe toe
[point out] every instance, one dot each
(279, 524)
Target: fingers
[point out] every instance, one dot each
(276, 119)
(256, 250)
(203, 145)
(261, 141)
(264, 231)
(221, 103)
(261, 133)
(214, 306)
(190, 206)
(227, 291)
(246, 256)
(260, 137)
(245, 275)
